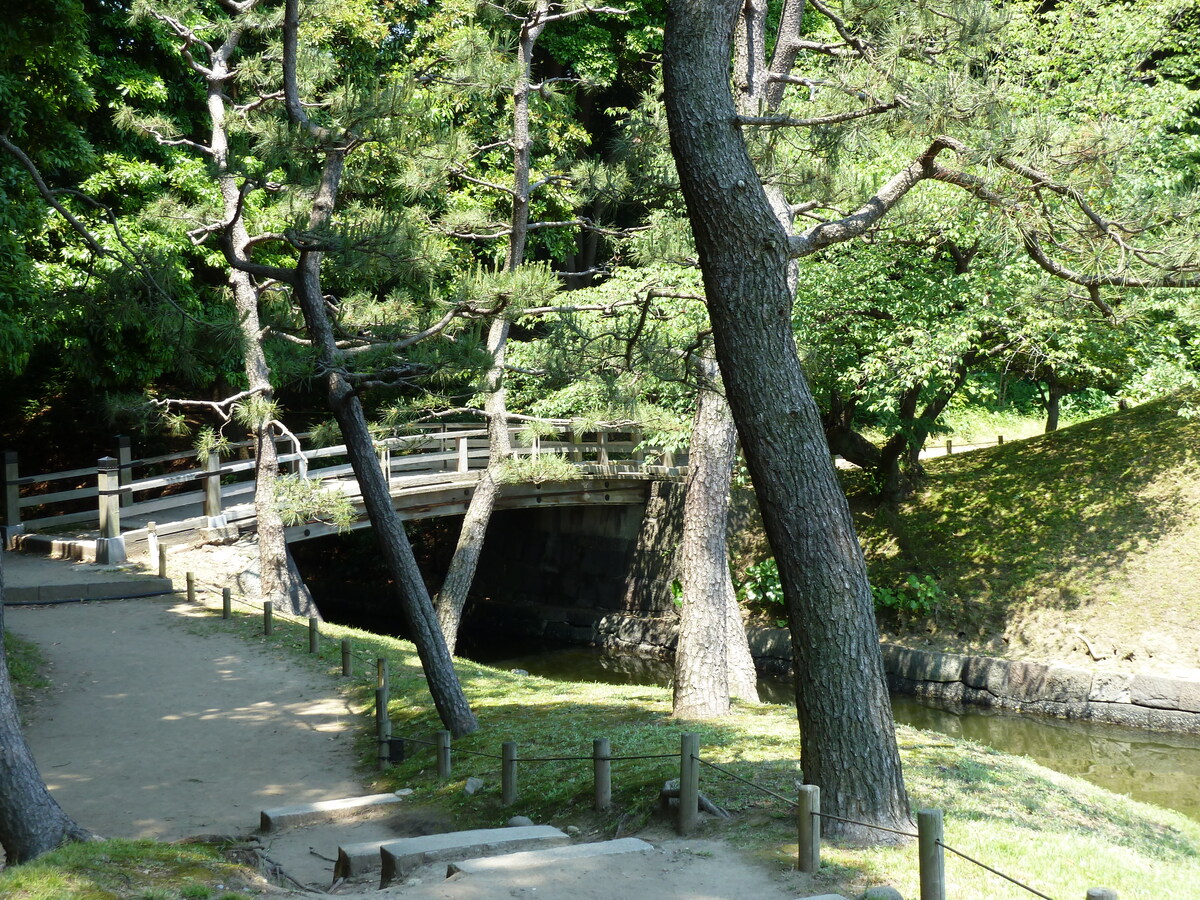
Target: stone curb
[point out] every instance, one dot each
(529, 859)
(1050, 689)
(321, 811)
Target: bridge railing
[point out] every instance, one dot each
(184, 485)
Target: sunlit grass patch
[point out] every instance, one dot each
(129, 870)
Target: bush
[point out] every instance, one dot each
(915, 598)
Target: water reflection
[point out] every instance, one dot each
(1157, 768)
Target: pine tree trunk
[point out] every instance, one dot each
(452, 598)
(279, 579)
(712, 656)
(31, 821)
(347, 409)
(847, 731)
(701, 655)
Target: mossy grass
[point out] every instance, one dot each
(129, 870)
(25, 666)
(1008, 812)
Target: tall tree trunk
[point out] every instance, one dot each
(31, 821)
(452, 598)
(280, 581)
(712, 653)
(1053, 405)
(847, 730)
(419, 614)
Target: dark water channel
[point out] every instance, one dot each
(1157, 768)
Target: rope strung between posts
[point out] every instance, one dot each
(910, 834)
(759, 787)
(544, 759)
(1019, 884)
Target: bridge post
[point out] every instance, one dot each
(110, 546)
(464, 454)
(385, 461)
(125, 467)
(576, 445)
(10, 523)
(212, 491)
(602, 443)
(635, 437)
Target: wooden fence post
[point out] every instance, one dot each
(576, 452)
(999, 440)
(1101, 894)
(10, 514)
(385, 462)
(110, 546)
(382, 676)
(347, 659)
(930, 856)
(162, 561)
(602, 446)
(808, 827)
(602, 767)
(464, 454)
(383, 719)
(151, 541)
(268, 618)
(689, 782)
(190, 579)
(383, 725)
(508, 773)
(226, 603)
(125, 467)
(949, 448)
(212, 489)
(314, 634)
(443, 753)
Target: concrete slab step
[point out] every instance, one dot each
(395, 859)
(530, 859)
(321, 811)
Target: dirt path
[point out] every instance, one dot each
(161, 727)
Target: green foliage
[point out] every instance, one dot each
(301, 500)
(536, 469)
(209, 440)
(255, 412)
(761, 590)
(918, 597)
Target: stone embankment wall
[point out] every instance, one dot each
(1065, 692)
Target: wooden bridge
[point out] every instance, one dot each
(108, 510)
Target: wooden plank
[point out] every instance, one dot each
(58, 496)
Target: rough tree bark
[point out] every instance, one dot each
(280, 581)
(305, 282)
(31, 821)
(452, 598)
(347, 409)
(712, 657)
(847, 730)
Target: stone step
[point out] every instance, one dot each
(321, 811)
(530, 859)
(398, 858)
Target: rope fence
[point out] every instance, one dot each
(931, 848)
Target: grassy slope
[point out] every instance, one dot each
(1095, 527)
